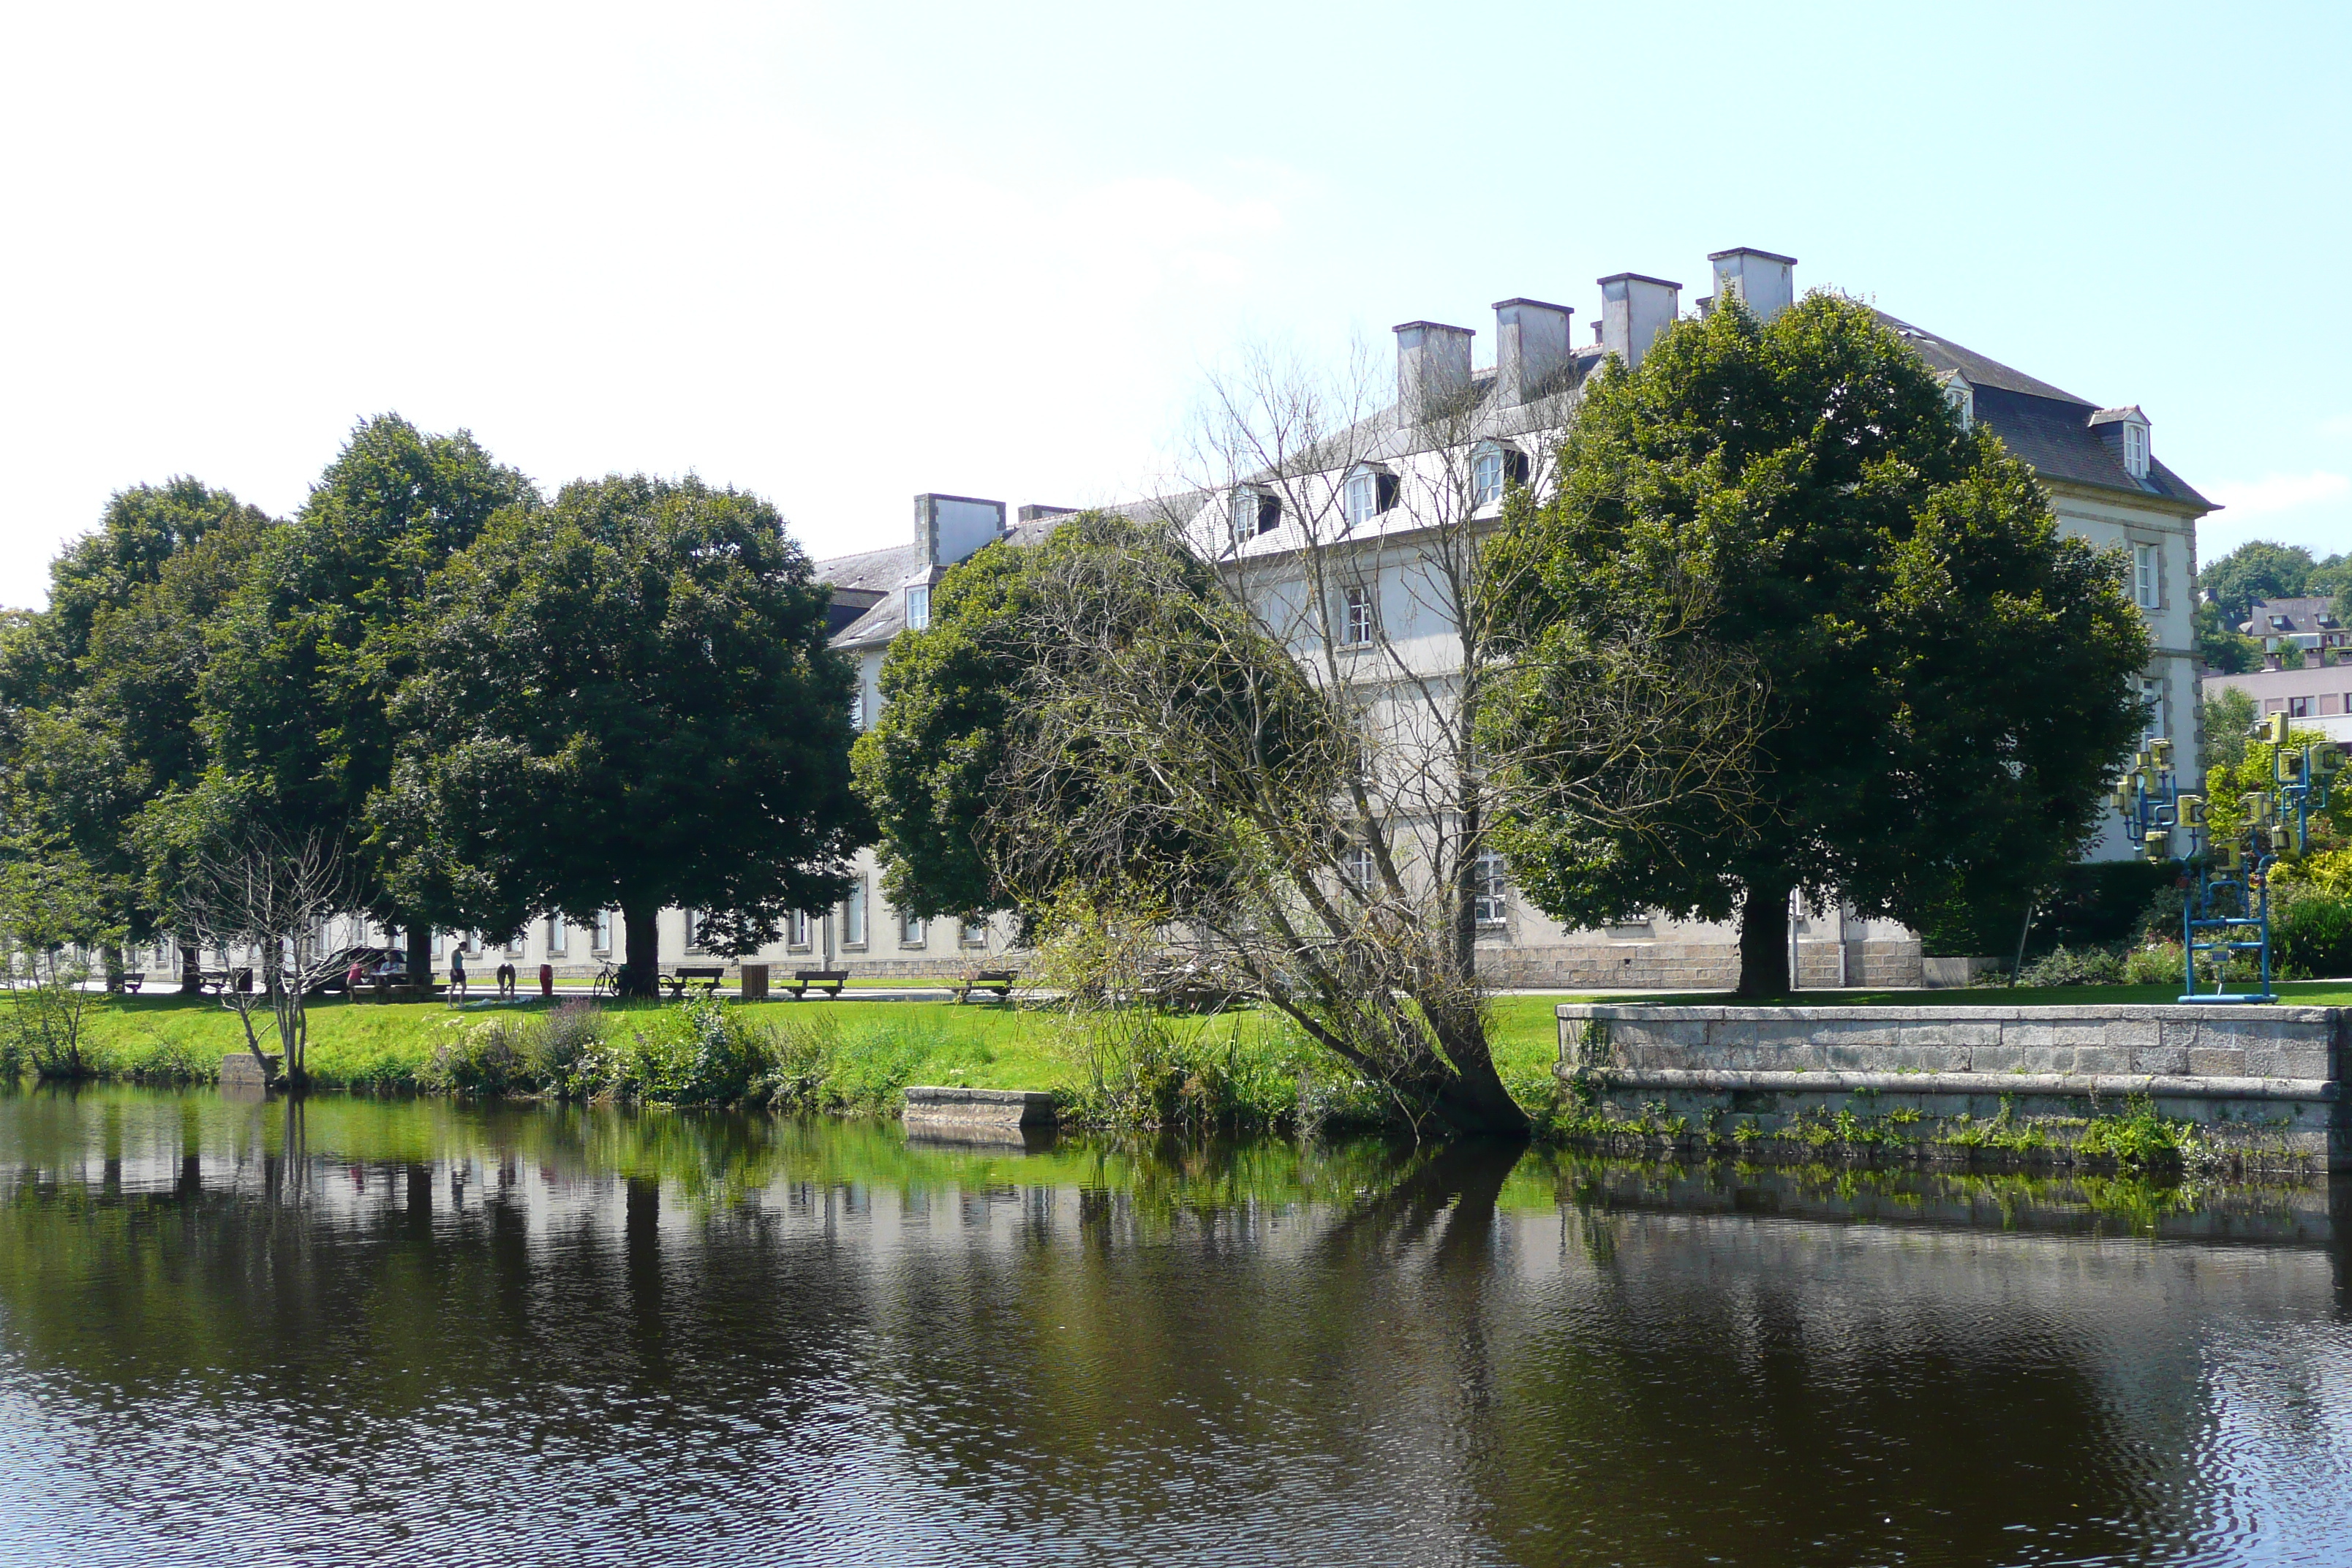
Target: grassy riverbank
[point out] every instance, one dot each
(1247, 1068)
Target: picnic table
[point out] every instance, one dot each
(708, 974)
(1000, 981)
(829, 981)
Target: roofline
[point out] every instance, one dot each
(1751, 250)
(1638, 278)
(1440, 326)
(1545, 304)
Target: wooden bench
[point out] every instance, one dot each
(708, 975)
(212, 982)
(829, 981)
(997, 980)
(131, 982)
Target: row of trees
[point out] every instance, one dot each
(486, 706)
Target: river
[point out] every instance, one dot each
(396, 1331)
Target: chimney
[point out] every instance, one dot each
(1767, 282)
(1531, 346)
(949, 528)
(1633, 310)
(1433, 369)
(1039, 513)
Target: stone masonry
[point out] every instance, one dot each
(2264, 1085)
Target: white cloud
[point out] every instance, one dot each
(2280, 493)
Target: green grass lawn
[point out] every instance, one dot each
(376, 1046)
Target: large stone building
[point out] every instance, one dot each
(1485, 423)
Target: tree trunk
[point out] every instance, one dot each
(192, 969)
(642, 932)
(1472, 1099)
(420, 957)
(112, 958)
(1764, 938)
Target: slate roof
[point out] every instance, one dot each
(2045, 427)
(2302, 616)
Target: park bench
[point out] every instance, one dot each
(1000, 981)
(829, 981)
(708, 974)
(131, 982)
(212, 982)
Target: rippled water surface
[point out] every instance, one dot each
(360, 1331)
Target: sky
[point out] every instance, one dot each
(840, 255)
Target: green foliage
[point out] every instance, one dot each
(1951, 681)
(627, 699)
(2227, 786)
(53, 912)
(2311, 935)
(2258, 569)
(2074, 966)
(304, 660)
(2222, 645)
(2227, 720)
(2139, 1138)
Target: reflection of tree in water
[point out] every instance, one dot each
(593, 1321)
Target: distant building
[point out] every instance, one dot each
(2307, 623)
(2318, 694)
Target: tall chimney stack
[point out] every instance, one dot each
(1530, 346)
(1633, 310)
(1767, 282)
(1433, 369)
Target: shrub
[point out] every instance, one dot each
(2311, 937)
(564, 1053)
(2158, 964)
(2071, 966)
(702, 1053)
(2138, 1137)
(481, 1056)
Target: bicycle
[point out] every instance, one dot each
(607, 981)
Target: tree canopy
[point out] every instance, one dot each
(1947, 681)
(622, 699)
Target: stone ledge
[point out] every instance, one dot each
(2116, 1086)
(945, 1104)
(1951, 1013)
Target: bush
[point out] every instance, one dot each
(489, 1056)
(565, 1051)
(2311, 937)
(702, 1053)
(2159, 963)
(2069, 966)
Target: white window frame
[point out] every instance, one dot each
(1362, 497)
(910, 929)
(796, 929)
(972, 934)
(2148, 588)
(1356, 615)
(1363, 867)
(853, 915)
(694, 930)
(600, 937)
(2151, 692)
(2135, 449)
(918, 609)
(1486, 474)
(1491, 883)
(559, 937)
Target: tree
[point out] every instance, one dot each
(2258, 569)
(2226, 719)
(1948, 682)
(625, 699)
(52, 915)
(304, 662)
(101, 686)
(2221, 645)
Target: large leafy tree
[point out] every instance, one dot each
(622, 700)
(298, 692)
(101, 687)
(1949, 681)
(2258, 569)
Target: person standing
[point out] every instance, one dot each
(456, 973)
(352, 980)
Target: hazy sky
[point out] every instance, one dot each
(838, 255)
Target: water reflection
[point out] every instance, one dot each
(413, 1330)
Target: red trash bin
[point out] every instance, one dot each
(547, 981)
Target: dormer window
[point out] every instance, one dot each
(1490, 466)
(2135, 450)
(2124, 433)
(1962, 398)
(1255, 512)
(919, 608)
(1369, 492)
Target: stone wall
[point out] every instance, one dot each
(2261, 1084)
(1670, 966)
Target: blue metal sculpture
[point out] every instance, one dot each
(2225, 882)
